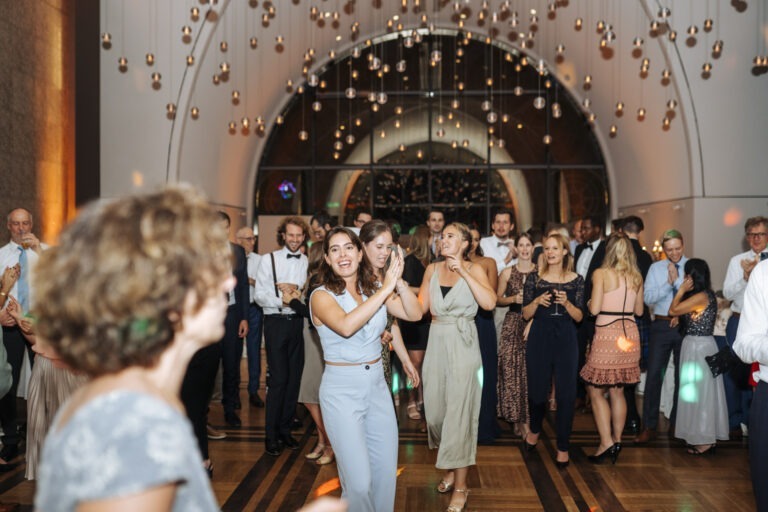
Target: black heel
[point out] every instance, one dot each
(612, 452)
(528, 446)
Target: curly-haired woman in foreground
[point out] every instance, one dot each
(136, 287)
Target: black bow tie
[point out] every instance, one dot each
(763, 256)
(502, 244)
(289, 255)
(588, 246)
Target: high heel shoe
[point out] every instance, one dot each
(612, 452)
(528, 446)
(693, 450)
(325, 459)
(444, 487)
(457, 508)
(316, 453)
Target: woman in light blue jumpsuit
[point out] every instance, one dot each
(349, 310)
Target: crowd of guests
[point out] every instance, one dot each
(144, 298)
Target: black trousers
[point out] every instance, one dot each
(284, 344)
(197, 388)
(15, 344)
(231, 354)
(758, 446)
(665, 340)
(552, 351)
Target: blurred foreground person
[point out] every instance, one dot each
(135, 288)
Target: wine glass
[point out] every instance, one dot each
(554, 296)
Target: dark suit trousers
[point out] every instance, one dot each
(758, 446)
(15, 344)
(231, 355)
(284, 343)
(665, 340)
(197, 388)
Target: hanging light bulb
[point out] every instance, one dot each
(692, 30)
(224, 66)
(400, 66)
(156, 77)
(170, 108)
(375, 107)
(436, 56)
(232, 127)
(707, 67)
(337, 134)
(557, 113)
(350, 93)
(338, 145)
(641, 113)
(547, 139)
(441, 132)
(586, 103)
(600, 25)
(454, 144)
(620, 107)
(578, 24)
(492, 117)
(486, 105)
(539, 102)
(245, 122)
(381, 98)
(317, 106)
(455, 104)
(664, 13)
(408, 42)
(190, 60)
(592, 117)
(614, 130)
(194, 13)
(672, 104)
(279, 120)
(350, 139)
(106, 40)
(518, 91)
(223, 46)
(654, 26)
(440, 119)
(708, 24)
(587, 81)
(665, 74)
(150, 59)
(717, 48)
(505, 118)
(666, 122)
(401, 147)
(398, 110)
(235, 96)
(195, 112)
(122, 64)
(420, 154)
(637, 42)
(672, 35)
(646, 62)
(186, 30)
(303, 135)
(397, 123)
(560, 49)
(465, 143)
(216, 79)
(312, 80)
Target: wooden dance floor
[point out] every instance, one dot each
(659, 476)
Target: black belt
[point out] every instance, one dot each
(278, 315)
(516, 308)
(662, 317)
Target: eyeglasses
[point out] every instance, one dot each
(249, 238)
(757, 235)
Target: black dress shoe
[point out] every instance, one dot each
(255, 400)
(9, 452)
(290, 442)
(296, 423)
(232, 419)
(272, 447)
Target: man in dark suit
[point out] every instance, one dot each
(235, 330)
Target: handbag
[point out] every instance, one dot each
(722, 361)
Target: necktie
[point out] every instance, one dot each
(763, 256)
(674, 286)
(22, 286)
(289, 256)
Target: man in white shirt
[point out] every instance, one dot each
(500, 246)
(247, 240)
(737, 394)
(435, 223)
(752, 345)
(23, 249)
(279, 272)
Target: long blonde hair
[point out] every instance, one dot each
(620, 257)
(567, 265)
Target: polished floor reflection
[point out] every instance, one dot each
(659, 476)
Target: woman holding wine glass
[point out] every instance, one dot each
(553, 297)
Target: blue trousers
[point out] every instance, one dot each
(253, 346)
(664, 341)
(360, 421)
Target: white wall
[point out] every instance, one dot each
(711, 157)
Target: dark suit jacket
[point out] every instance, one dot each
(644, 259)
(594, 264)
(240, 271)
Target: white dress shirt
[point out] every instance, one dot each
(585, 258)
(288, 270)
(253, 269)
(752, 338)
(496, 248)
(9, 256)
(734, 285)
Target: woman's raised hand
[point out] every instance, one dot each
(545, 299)
(395, 270)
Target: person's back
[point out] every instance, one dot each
(620, 297)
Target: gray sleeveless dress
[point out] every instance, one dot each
(451, 375)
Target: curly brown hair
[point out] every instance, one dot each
(296, 221)
(111, 294)
(366, 277)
